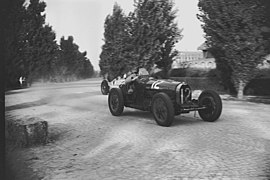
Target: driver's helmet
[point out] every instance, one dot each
(143, 72)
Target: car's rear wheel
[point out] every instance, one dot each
(212, 101)
(104, 87)
(162, 109)
(116, 101)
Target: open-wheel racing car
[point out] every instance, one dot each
(106, 85)
(165, 98)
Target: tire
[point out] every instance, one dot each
(162, 109)
(116, 101)
(104, 87)
(213, 102)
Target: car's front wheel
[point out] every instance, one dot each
(116, 101)
(104, 87)
(213, 105)
(162, 109)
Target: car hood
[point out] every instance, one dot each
(165, 84)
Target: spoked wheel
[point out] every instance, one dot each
(213, 105)
(104, 87)
(116, 101)
(162, 109)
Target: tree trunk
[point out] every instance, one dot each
(241, 86)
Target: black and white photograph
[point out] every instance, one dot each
(136, 89)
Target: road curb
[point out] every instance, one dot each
(26, 132)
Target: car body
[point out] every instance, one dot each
(106, 85)
(165, 98)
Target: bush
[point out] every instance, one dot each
(203, 79)
(193, 72)
(264, 73)
(201, 83)
(179, 72)
(258, 87)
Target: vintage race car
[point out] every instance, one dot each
(107, 85)
(165, 98)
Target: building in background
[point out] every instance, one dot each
(195, 59)
(203, 59)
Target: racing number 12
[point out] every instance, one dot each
(155, 84)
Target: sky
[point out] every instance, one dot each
(84, 20)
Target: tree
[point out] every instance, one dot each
(33, 43)
(144, 38)
(73, 64)
(266, 15)
(47, 50)
(87, 69)
(31, 48)
(14, 36)
(115, 51)
(234, 29)
(51, 53)
(224, 72)
(84, 67)
(154, 34)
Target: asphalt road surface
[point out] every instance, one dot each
(88, 143)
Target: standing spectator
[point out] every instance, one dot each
(21, 80)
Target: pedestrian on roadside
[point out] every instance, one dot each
(21, 80)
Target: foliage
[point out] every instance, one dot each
(258, 87)
(154, 33)
(202, 83)
(72, 63)
(144, 38)
(115, 51)
(266, 14)
(30, 47)
(223, 70)
(193, 72)
(234, 29)
(15, 13)
(33, 29)
(264, 73)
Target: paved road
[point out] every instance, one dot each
(87, 142)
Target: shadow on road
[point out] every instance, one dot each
(138, 114)
(28, 104)
(183, 120)
(13, 92)
(178, 120)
